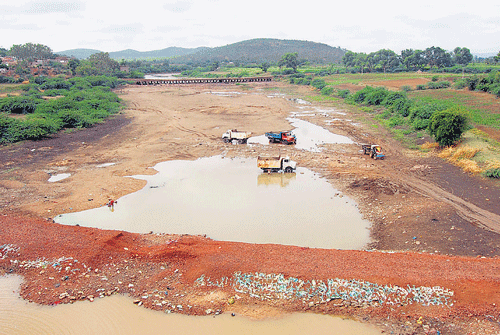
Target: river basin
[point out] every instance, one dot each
(230, 199)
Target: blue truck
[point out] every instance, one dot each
(284, 137)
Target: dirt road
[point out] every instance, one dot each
(415, 203)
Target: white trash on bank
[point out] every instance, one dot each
(350, 292)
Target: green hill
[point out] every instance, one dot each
(130, 54)
(265, 50)
(78, 53)
(251, 51)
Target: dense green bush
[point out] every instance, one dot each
(19, 104)
(360, 96)
(79, 102)
(318, 83)
(392, 97)
(460, 84)
(327, 90)
(376, 96)
(401, 106)
(438, 85)
(343, 93)
(447, 126)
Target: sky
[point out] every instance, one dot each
(359, 26)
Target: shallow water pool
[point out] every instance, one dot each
(232, 200)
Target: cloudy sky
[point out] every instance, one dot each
(360, 26)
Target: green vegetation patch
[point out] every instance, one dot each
(77, 103)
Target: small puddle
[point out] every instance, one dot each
(105, 165)
(311, 136)
(232, 200)
(118, 315)
(58, 177)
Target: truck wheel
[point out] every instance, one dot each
(225, 140)
(288, 170)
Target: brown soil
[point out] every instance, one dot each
(443, 223)
(397, 84)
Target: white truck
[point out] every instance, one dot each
(276, 164)
(240, 137)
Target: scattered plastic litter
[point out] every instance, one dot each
(354, 292)
(6, 250)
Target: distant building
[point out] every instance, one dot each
(9, 61)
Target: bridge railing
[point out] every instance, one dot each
(200, 81)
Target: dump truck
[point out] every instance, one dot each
(374, 150)
(285, 137)
(276, 164)
(240, 137)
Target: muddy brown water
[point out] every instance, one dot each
(118, 315)
(232, 200)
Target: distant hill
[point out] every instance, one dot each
(130, 54)
(251, 51)
(78, 53)
(265, 50)
(164, 53)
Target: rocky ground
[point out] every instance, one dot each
(442, 223)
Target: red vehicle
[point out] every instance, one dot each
(285, 137)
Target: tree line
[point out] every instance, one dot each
(386, 60)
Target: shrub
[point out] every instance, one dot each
(318, 83)
(438, 85)
(406, 88)
(396, 120)
(420, 87)
(460, 84)
(422, 111)
(447, 126)
(492, 173)
(327, 90)
(343, 93)
(401, 106)
(495, 90)
(392, 97)
(376, 97)
(419, 124)
(19, 104)
(56, 83)
(360, 96)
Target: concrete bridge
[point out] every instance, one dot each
(201, 81)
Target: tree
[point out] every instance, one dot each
(31, 52)
(413, 59)
(447, 126)
(73, 64)
(290, 59)
(435, 56)
(349, 59)
(360, 61)
(462, 56)
(497, 58)
(264, 66)
(385, 58)
(98, 64)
